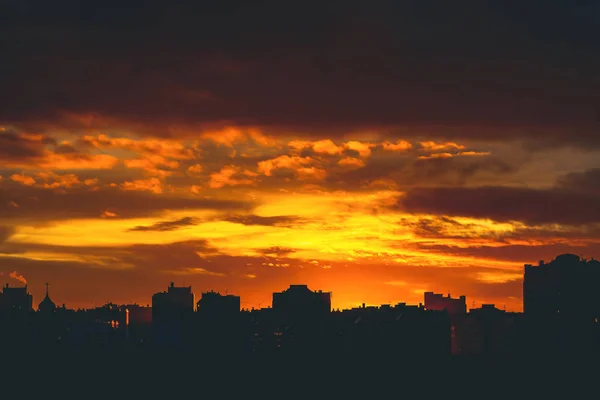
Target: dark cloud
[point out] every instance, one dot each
(442, 227)
(435, 227)
(278, 220)
(464, 69)
(14, 147)
(278, 251)
(525, 254)
(532, 206)
(587, 181)
(406, 170)
(572, 201)
(163, 226)
(42, 204)
(458, 170)
(6, 232)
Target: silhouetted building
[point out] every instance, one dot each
(486, 331)
(439, 302)
(173, 303)
(300, 300)
(399, 331)
(172, 313)
(561, 301)
(214, 303)
(17, 299)
(218, 327)
(301, 319)
(139, 315)
(566, 287)
(455, 307)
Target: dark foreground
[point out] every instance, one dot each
(152, 374)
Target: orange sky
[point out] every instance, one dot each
(117, 216)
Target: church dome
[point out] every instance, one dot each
(567, 258)
(46, 305)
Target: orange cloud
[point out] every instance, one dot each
(195, 169)
(159, 147)
(311, 173)
(325, 146)
(229, 176)
(294, 162)
(400, 145)
(75, 161)
(153, 185)
(108, 214)
(433, 146)
(195, 189)
(23, 179)
(351, 162)
(461, 154)
(437, 155)
(474, 153)
(195, 271)
(230, 136)
(152, 164)
(51, 180)
(363, 149)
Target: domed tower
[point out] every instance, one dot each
(47, 305)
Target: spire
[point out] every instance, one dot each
(47, 304)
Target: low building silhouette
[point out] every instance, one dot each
(301, 319)
(439, 302)
(16, 299)
(486, 331)
(214, 303)
(393, 331)
(300, 300)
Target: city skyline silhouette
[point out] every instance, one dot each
(561, 316)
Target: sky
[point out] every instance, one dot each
(373, 149)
